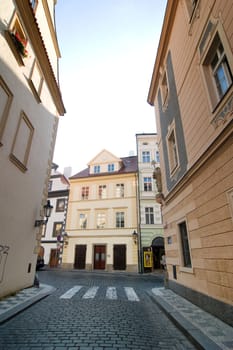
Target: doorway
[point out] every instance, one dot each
(119, 257)
(80, 256)
(99, 257)
(158, 251)
(54, 257)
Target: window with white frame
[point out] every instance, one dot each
(96, 169)
(119, 190)
(111, 168)
(102, 191)
(186, 257)
(83, 220)
(146, 157)
(172, 150)
(101, 220)
(149, 215)
(157, 158)
(217, 71)
(85, 192)
(120, 219)
(147, 184)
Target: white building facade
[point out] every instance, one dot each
(53, 234)
(30, 105)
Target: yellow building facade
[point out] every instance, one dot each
(192, 91)
(102, 216)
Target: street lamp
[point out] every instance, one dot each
(135, 236)
(47, 210)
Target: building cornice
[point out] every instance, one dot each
(162, 48)
(36, 40)
(51, 27)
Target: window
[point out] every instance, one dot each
(22, 143)
(110, 167)
(60, 205)
(146, 157)
(6, 98)
(185, 244)
(120, 219)
(157, 159)
(120, 190)
(85, 192)
(164, 90)
(191, 6)
(96, 169)
(36, 81)
(172, 150)
(57, 229)
(147, 184)
(217, 71)
(50, 185)
(102, 191)
(17, 40)
(34, 4)
(83, 220)
(101, 220)
(149, 214)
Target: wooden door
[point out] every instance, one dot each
(119, 257)
(99, 257)
(54, 256)
(80, 256)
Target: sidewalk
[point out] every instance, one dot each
(23, 299)
(206, 331)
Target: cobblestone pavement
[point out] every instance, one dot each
(94, 312)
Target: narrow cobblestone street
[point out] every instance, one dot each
(94, 312)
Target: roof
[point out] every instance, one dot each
(129, 165)
(169, 16)
(33, 30)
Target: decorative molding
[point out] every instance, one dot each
(224, 114)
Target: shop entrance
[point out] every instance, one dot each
(158, 251)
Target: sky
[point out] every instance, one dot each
(108, 49)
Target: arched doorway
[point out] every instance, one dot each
(158, 251)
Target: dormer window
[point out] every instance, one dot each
(111, 168)
(96, 169)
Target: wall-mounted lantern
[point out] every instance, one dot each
(135, 236)
(47, 210)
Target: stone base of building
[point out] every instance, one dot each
(215, 307)
(109, 268)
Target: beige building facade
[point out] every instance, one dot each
(30, 105)
(192, 91)
(102, 216)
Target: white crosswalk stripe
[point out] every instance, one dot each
(91, 293)
(111, 293)
(71, 292)
(131, 295)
